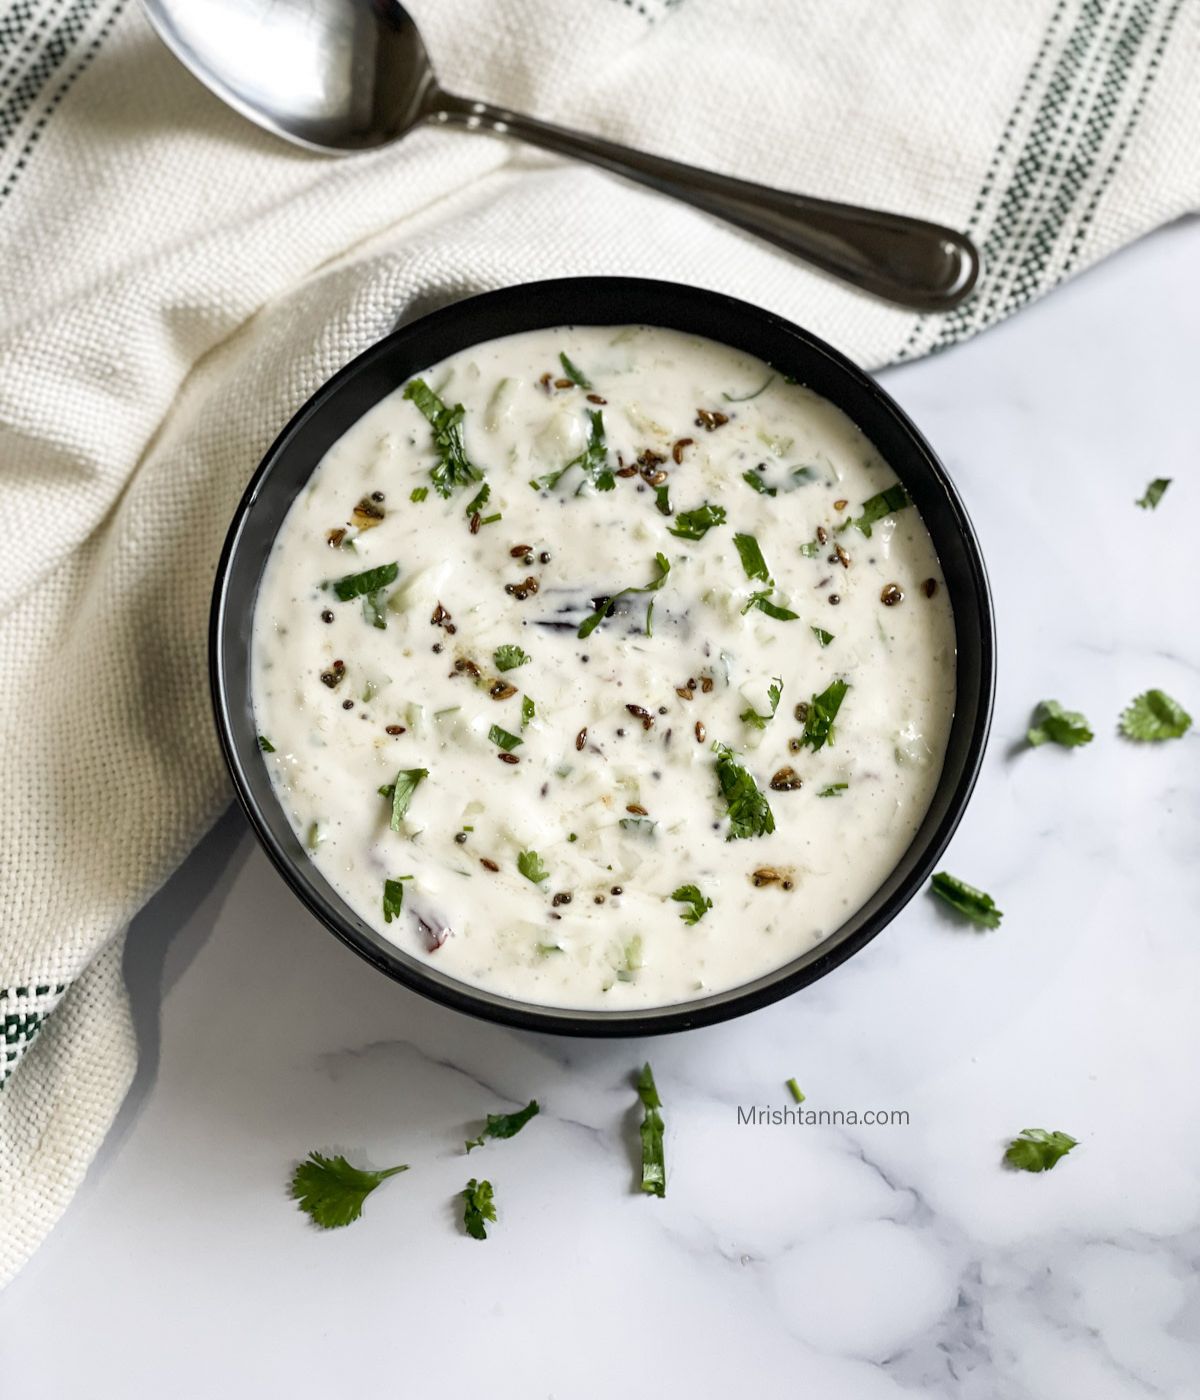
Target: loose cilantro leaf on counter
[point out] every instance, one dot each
(265, 744)
(774, 692)
(1052, 724)
(369, 581)
(400, 793)
(833, 790)
(745, 398)
(756, 483)
(479, 1209)
(752, 558)
(455, 468)
(762, 601)
(797, 1092)
(654, 1167)
(503, 739)
(479, 499)
(331, 1191)
(971, 903)
(876, 507)
(418, 493)
(695, 524)
(393, 897)
(528, 710)
(505, 1125)
(748, 810)
(373, 610)
(573, 373)
(589, 624)
(1036, 1150)
(509, 657)
(1154, 716)
(1155, 492)
(529, 863)
(822, 636)
(822, 711)
(690, 894)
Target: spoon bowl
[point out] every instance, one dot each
(345, 76)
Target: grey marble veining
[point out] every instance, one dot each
(848, 1262)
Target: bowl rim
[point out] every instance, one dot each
(715, 1007)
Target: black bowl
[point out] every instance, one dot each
(598, 301)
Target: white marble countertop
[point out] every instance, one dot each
(859, 1263)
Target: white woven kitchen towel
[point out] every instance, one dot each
(173, 283)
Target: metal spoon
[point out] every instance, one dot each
(341, 76)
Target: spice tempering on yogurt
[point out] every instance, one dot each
(604, 667)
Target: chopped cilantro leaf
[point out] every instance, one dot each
(748, 810)
(822, 636)
(1036, 1150)
(455, 468)
(509, 657)
(745, 398)
(690, 894)
(479, 499)
(1154, 716)
(528, 710)
(762, 601)
(503, 739)
(752, 558)
(1155, 492)
(529, 863)
(331, 1191)
(506, 1125)
(695, 524)
(589, 624)
(480, 1207)
(822, 711)
(369, 581)
(797, 1092)
(593, 461)
(1052, 724)
(573, 373)
(662, 499)
(971, 903)
(753, 480)
(393, 897)
(400, 793)
(265, 744)
(418, 493)
(833, 789)
(876, 507)
(654, 1167)
(774, 692)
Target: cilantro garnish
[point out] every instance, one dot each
(479, 499)
(400, 793)
(752, 479)
(418, 493)
(797, 1092)
(822, 636)
(509, 657)
(528, 710)
(373, 610)
(1155, 492)
(1036, 1150)
(369, 581)
(876, 507)
(1154, 716)
(574, 374)
(455, 468)
(752, 558)
(505, 1125)
(589, 624)
(748, 809)
(529, 863)
(774, 692)
(822, 711)
(503, 739)
(971, 903)
(695, 524)
(690, 894)
(593, 461)
(265, 744)
(331, 1192)
(393, 897)
(1054, 725)
(811, 549)
(762, 601)
(654, 1167)
(480, 1207)
(833, 790)
(745, 398)
(662, 499)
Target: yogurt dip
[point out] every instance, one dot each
(604, 667)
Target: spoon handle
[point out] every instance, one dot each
(908, 261)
